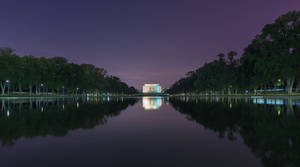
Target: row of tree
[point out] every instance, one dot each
(56, 75)
(270, 61)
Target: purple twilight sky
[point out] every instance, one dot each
(140, 41)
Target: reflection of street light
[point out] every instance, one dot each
(76, 91)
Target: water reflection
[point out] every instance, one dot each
(269, 127)
(153, 103)
(42, 117)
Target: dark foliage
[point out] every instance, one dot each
(270, 61)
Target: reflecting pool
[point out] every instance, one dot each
(188, 132)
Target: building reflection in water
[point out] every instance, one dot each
(152, 103)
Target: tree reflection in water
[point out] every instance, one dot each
(32, 118)
(270, 130)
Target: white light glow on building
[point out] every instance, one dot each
(152, 88)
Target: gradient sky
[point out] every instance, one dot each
(140, 41)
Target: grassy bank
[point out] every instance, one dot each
(34, 95)
(60, 95)
(235, 95)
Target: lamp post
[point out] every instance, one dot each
(42, 85)
(278, 83)
(7, 82)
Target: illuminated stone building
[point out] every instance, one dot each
(152, 88)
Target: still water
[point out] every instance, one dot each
(150, 132)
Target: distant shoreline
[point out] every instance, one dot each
(23, 96)
(12, 96)
(296, 95)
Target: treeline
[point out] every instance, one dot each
(270, 61)
(55, 75)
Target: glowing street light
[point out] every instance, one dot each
(7, 81)
(42, 85)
